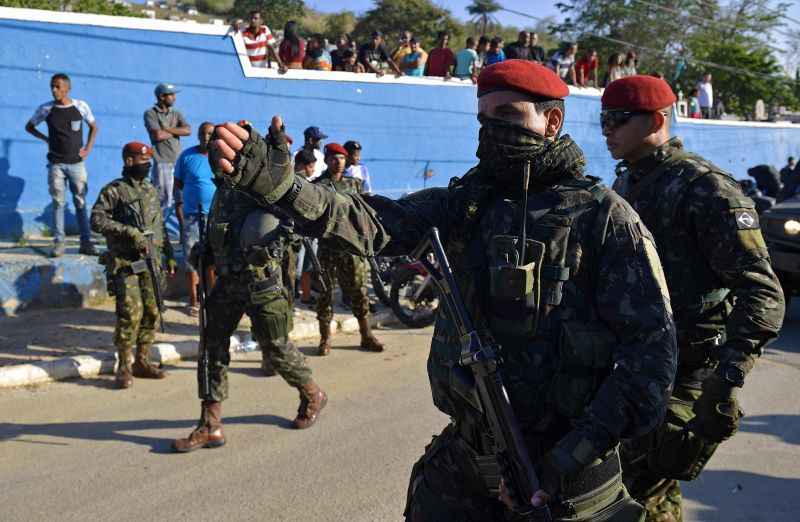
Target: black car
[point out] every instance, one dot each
(781, 228)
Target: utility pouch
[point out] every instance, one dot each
(265, 290)
(216, 236)
(507, 279)
(514, 286)
(139, 267)
(584, 360)
(676, 452)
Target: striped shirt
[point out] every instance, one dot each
(256, 45)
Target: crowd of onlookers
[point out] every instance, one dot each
(407, 57)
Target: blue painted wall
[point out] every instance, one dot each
(402, 127)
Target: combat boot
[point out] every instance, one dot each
(143, 368)
(324, 338)
(208, 433)
(369, 342)
(123, 378)
(312, 400)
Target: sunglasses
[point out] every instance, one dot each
(618, 118)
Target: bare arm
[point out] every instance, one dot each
(84, 152)
(32, 130)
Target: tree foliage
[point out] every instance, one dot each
(274, 12)
(421, 17)
(78, 6)
(482, 12)
(216, 7)
(340, 23)
(730, 40)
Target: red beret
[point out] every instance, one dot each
(523, 76)
(335, 148)
(136, 148)
(638, 93)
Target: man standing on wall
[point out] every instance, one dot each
(166, 125)
(727, 301)
(259, 42)
(65, 157)
(194, 179)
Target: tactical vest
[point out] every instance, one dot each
(555, 352)
(229, 210)
(138, 208)
(695, 290)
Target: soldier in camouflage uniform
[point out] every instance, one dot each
(248, 244)
(727, 301)
(588, 353)
(126, 210)
(348, 269)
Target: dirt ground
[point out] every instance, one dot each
(44, 334)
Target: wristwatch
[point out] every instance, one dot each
(733, 375)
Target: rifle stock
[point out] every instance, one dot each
(510, 449)
(315, 263)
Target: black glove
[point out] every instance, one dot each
(262, 168)
(717, 412)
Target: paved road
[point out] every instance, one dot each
(82, 451)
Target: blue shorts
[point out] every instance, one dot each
(189, 237)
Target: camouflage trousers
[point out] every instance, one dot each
(446, 484)
(271, 321)
(653, 464)
(137, 311)
(351, 273)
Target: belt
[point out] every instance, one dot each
(592, 488)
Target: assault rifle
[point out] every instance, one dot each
(151, 263)
(152, 267)
(203, 371)
(481, 359)
(315, 263)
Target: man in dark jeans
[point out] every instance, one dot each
(65, 157)
(166, 125)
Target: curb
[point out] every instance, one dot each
(88, 366)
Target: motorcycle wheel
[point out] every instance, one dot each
(414, 313)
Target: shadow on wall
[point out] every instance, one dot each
(42, 286)
(71, 227)
(11, 188)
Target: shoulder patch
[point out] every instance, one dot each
(746, 219)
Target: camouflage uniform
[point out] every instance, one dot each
(727, 301)
(587, 361)
(125, 207)
(348, 269)
(243, 287)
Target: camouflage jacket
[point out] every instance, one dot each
(345, 185)
(126, 204)
(229, 211)
(714, 257)
(600, 365)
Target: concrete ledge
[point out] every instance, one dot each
(88, 366)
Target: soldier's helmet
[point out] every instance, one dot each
(259, 229)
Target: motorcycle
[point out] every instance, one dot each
(381, 270)
(414, 299)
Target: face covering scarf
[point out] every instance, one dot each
(504, 148)
(137, 172)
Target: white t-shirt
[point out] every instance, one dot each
(360, 172)
(706, 96)
(562, 63)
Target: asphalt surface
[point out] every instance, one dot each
(81, 450)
